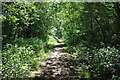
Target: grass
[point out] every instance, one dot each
(52, 40)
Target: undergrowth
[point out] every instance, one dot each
(97, 63)
(23, 56)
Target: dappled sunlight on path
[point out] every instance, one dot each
(58, 66)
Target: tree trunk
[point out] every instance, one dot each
(117, 9)
(101, 29)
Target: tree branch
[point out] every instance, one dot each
(101, 29)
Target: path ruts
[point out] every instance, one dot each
(58, 66)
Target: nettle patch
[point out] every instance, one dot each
(102, 63)
(18, 60)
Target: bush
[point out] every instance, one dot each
(18, 58)
(101, 63)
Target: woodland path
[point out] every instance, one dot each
(59, 66)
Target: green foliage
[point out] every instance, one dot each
(86, 28)
(103, 62)
(24, 20)
(94, 23)
(19, 58)
(100, 63)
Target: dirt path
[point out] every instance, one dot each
(58, 66)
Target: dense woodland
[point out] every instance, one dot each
(90, 31)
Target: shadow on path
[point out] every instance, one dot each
(58, 66)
